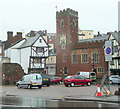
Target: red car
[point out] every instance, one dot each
(56, 80)
(73, 80)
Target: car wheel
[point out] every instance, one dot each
(66, 85)
(48, 85)
(111, 82)
(29, 86)
(18, 86)
(89, 83)
(72, 84)
(39, 87)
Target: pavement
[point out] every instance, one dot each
(103, 98)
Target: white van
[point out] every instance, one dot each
(89, 75)
(29, 81)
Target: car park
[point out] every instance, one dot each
(115, 79)
(29, 81)
(46, 80)
(56, 80)
(74, 80)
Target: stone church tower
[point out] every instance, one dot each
(67, 36)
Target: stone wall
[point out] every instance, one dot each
(11, 72)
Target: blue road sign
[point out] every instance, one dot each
(108, 50)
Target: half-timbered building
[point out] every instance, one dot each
(30, 53)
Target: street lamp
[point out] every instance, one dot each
(93, 64)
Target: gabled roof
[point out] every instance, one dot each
(116, 35)
(29, 41)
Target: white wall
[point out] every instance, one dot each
(25, 57)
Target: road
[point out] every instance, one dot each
(50, 96)
(54, 91)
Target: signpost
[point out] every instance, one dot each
(108, 57)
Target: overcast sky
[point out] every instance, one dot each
(27, 15)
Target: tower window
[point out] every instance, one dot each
(74, 23)
(62, 23)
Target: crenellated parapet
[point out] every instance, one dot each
(67, 12)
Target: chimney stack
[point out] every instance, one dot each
(19, 34)
(9, 35)
(32, 33)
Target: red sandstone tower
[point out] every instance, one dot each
(67, 36)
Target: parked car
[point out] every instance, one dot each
(46, 80)
(88, 75)
(73, 80)
(56, 80)
(29, 81)
(115, 79)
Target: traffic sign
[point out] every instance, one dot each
(108, 50)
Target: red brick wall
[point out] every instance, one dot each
(12, 72)
(79, 49)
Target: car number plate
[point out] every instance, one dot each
(34, 83)
(45, 79)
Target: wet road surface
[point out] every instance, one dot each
(28, 102)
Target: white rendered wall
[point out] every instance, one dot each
(25, 57)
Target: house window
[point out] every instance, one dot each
(62, 23)
(95, 57)
(74, 59)
(39, 50)
(118, 61)
(84, 58)
(37, 60)
(115, 49)
(100, 70)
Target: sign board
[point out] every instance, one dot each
(108, 50)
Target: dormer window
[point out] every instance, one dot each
(40, 40)
(62, 23)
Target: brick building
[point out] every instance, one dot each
(12, 39)
(73, 55)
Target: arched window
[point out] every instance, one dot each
(62, 23)
(74, 23)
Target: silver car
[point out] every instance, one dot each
(114, 79)
(29, 81)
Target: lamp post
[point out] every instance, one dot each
(93, 64)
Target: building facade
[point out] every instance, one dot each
(115, 63)
(74, 55)
(30, 53)
(85, 34)
(50, 38)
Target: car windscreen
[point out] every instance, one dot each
(68, 77)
